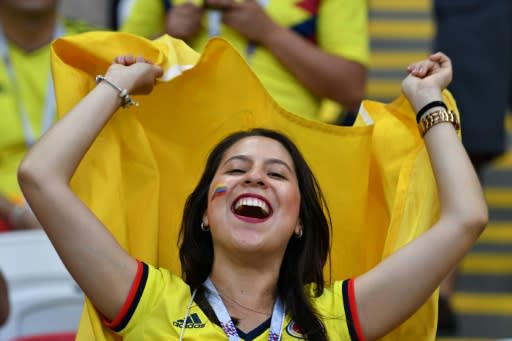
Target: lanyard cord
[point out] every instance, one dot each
(227, 324)
(49, 105)
(213, 297)
(182, 333)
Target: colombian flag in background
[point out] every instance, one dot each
(376, 175)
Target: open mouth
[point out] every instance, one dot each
(251, 206)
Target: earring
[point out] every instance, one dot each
(299, 235)
(206, 228)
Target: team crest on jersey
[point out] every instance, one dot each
(294, 330)
(193, 321)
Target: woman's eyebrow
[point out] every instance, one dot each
(280, 162)
(267, 161)
(237, 157)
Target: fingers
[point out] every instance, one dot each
(129, 60)
(441, 59)
(421, 69)
(427, 66)
(219, 4)
(126, 59)
(159, 72)
(187, 8)
(141, 59)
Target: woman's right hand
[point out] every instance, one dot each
(135, 74)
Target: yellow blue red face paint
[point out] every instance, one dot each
(219, 190)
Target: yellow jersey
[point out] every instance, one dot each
(157, 309)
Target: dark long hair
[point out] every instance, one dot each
(304, 258)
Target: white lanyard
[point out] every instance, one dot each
(215, 18)
(276, 323)
(49, 105)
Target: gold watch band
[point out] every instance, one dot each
(436, 117)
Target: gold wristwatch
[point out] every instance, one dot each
(438, 116)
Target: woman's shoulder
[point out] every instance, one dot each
(333, 288)
(155, 289)
(163, 275)
(332, 298)
(334, 308)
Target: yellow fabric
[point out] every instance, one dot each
(340, 29)
(162, 307)
(32, 71)
(376, 177)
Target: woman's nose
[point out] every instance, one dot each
(254, 178)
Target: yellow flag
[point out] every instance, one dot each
(376, 175)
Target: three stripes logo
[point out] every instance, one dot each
(193, 321)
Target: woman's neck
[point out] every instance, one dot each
(28, 32)
(248, 293)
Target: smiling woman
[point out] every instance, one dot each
(255, 234)
(253, 225)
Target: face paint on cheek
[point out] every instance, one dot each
(219, 190)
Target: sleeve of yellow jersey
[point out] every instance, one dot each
(338, 310)
(155, 295)
(343, 29)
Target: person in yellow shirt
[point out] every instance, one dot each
(26, 93)
(255, 233)
(303, 51)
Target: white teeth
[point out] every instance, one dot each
(252, 202)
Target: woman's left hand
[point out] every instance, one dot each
(427, 79)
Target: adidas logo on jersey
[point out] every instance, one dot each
(193, 321)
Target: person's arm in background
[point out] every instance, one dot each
(19, 217)
(325, 74)
(4, 300)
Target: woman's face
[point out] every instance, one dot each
(259, 210)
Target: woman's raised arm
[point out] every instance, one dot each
(391, 292)
(100, 266)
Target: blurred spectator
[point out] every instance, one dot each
(302, 51)
(119, 12)
(477, 35)
(4, 300)
(26, 93)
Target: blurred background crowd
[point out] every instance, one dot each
(319, 59)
